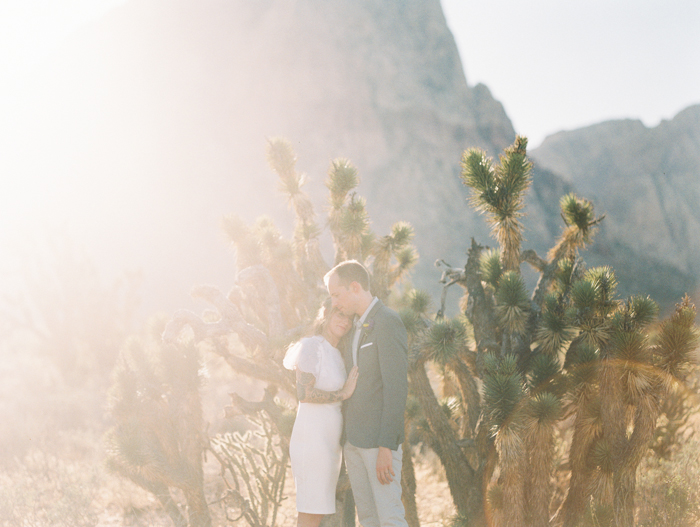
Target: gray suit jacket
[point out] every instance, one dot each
(374, 415)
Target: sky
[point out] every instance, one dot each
(554, 65)
(560, 65)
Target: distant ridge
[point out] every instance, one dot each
(150, 124)
(647, 182)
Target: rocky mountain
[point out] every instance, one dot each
(647, 183)
(149, 125)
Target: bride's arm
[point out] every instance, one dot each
(308, 393)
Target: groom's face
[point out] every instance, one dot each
(342, 296)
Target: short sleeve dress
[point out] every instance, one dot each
(314, 448)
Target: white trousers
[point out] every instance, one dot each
(377, 505)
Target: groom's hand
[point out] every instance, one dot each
(385, 471)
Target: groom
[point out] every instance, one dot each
(374, 415)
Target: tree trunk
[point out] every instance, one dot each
(408, 485)
(469, 392)
(480, 309)
(465, 489)
(625, 480)
(512, 462)
(538, 490)
(585, 433)
(198, 510)
(614, 421)
(163, 495)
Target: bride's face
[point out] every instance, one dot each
(338, 324)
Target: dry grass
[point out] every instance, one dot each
(52, 471)
(74, 490)
(435, 507)
(52, 464)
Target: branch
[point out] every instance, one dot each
(450, 276)
(231, 321)
(241, 406)
(480, 307)
(531, 257)
(257, 283)
(461, 478)
(269, 371)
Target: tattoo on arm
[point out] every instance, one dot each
(308, 394)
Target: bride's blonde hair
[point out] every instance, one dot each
(324, 314)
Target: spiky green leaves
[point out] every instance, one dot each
(490, 267)
(582, 362)
(305, 232)
(479, 174)
(354, 220)
(413, 323)
(499, 192)
(414, 306)
(512, 302)
(593, 297)
(515, 167)
(564, 275)
(406, 258)
(282, 159)
(153, 384)
(604, 281)
(631, 357)
(544, 373)
(580, 226)
(418, 300)
(503, 389)
(602, 457)
(244, 240)
(677, 341)
(401, 235)
(642, 310)
(556, 326)
(577, 212)
(584, 296)
(342, 178)
(396, 243)
(348, 218)
(394, 246)
(444, 341)
(544, 409)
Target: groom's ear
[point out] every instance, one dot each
(355, 287)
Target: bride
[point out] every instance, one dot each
(322, 385)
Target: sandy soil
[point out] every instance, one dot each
(126, 505)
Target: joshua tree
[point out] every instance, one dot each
(523, 373)
(278, 291)
(158, 437)
(569, 349)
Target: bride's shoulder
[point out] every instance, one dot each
(314, 342)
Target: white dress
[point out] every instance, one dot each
(315, 448)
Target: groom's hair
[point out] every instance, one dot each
(349, 271)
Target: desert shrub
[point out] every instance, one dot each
(40, 406)
(668, 489)
(45, 490)
(62, 310)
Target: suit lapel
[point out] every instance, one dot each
(368, 325)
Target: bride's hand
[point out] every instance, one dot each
(350, 384)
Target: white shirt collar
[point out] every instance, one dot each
(362, 319)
